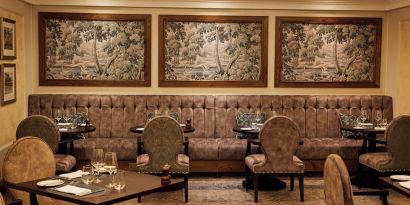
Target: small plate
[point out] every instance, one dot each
(50, 183)
(358, 128)
(400, 177)
(140, 128)
(405, 184)
(246, 128)
(182, 125)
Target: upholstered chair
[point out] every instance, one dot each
(279, 138)
(338, 189)
(396, 159)
(44, 128)
(163, 138)
(27, 159)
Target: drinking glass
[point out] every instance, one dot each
(97, 160)
(87, 176)
(119, 180)
(66, 116)
(58, 115)
(384, 123)
(363, 116)
(111, 165)
(378, 117)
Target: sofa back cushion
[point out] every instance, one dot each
(212, 116)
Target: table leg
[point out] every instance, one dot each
(62, 148)
(371, 144)
(72, 148)
(33, 199)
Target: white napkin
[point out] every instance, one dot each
(62, 129)
(140, 128)
(405, 184)
(366, 124)
(63, 124)
(70, 189)
(72, 175)
(379, 128)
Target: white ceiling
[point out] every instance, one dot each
(366, 5)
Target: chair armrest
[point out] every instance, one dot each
(371, 192)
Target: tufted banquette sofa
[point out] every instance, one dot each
(213, 146)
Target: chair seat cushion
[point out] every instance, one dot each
(124, 147)
(142, 160)
(255, 160)
(203, 149)
(376, 160)
(64, 162)
(232, 149)
(320, 148)
(183, 160)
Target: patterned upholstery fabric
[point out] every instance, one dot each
(279, 138)
(212, 116)
(398, 145)
(64, 162)
(231, 149)
(163, 138)
(34, 153)
(320, 148)
(41, 127)
(338, 189)
(44, 128)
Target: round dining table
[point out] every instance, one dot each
(68, 136)
(369, 140)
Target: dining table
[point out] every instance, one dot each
(139, 129)
(395, 184)
(137, 185)
(369, 136)
(68, 136)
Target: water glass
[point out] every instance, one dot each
(384, 123)
(363, 116)
(378, 117)
(111, 165)
(119, 180)
(87, 177)
(97, 161)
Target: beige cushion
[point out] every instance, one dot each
(64, 162)
(377, 160)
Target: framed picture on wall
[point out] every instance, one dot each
(83, 49)
(328, 52)
(8, 83)
(212, 51)
(7, 39)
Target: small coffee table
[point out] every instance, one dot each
(394, 185)
(137, 185)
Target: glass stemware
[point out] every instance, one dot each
(378, 117)
(58, 115)
(97, 161)
(363, 116)
(87, 175)
(111, 165)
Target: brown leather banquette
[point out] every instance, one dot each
(213, 147)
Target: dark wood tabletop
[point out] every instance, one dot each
(394, 185)
(78, 130)
(362, 130)
(246, 130)
(137, 185)
(139, 129)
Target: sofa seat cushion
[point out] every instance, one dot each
(377, 160)
(203, 149)
(320, 148)
(124, 147)
(231, 149)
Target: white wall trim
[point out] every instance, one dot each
(355, 5)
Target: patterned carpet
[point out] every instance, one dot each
(228, 190)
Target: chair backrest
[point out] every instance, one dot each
(41, 127)
(338, 189)
(1, 200)
(27, 159)
(163, 138)
(398, 142)
(279, 138)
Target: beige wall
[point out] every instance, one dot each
(11, 114)
(154, 89)
(397, 77)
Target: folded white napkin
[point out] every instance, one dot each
(140, 128)
(63, 124)
(379, 128)
(366, 124)
(62, 129)
(72, 175)
(70, 189)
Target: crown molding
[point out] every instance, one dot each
(337, 5)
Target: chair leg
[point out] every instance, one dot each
(186, 187)
(301, 188)
(139, 199)
(383, 198)
(246, 178)
(292, 181)
(359, 175)
(255, 186)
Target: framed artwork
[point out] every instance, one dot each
(7, 39)
(81, 49)
(328, 52)
(213, 51)
(8, 83)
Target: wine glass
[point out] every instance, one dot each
(58, 115)
(111, 165)
(66, 116)
(97, 160)
(363, 116)
(378, 117)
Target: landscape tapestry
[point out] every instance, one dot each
(94, 49)
(212, 51)
(327, 52)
